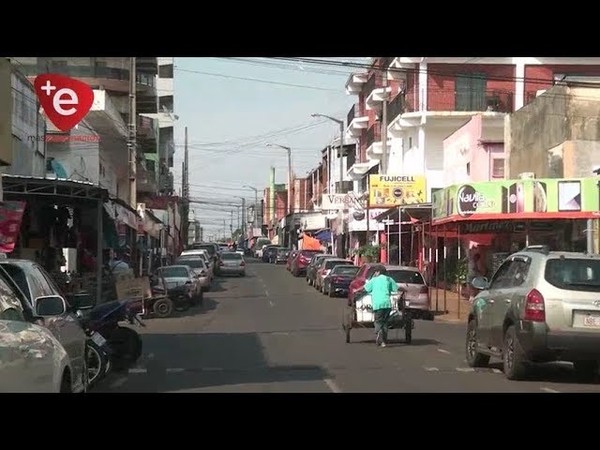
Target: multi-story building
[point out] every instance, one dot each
(109, 119)
(25, 152)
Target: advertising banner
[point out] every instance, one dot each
(387, 191)
(11, 215)
(336, 202)
(536, 198)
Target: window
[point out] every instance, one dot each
(407, 276)
(498, 168)
(501, 278)
(409, 143)
(19, 278)
(470, 92)
(468, 169)
(574, 274)
(165, 71)
(174, 272)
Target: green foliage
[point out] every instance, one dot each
(370, 252)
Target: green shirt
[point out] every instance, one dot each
(380, 288)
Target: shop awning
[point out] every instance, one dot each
(310, 243)
(410, 213)
(323, 235)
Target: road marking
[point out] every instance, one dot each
(271, 304)
(118, 382)
(175, 370)
(138, 370)
(267, 293)
(212, 369)
(431, 369)
(465, 369)
(332, 386)
(441, 350)
(550, 390)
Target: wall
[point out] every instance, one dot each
(541, 77)
(570, 143)
(6, 96)
(441, 82)
(280, 204)
(28, 146)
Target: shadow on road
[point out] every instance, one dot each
(553, 373)
(400, 341)
(209, 304)
(192, 361)
(217, 285)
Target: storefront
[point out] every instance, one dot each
(493, 219)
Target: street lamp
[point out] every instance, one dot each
(255, 204)
(243, 226)
(341, 124)
(290, 186)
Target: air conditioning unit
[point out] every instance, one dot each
(527, 176)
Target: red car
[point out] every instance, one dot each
(358, 283)
(300, 262)
(290, 260)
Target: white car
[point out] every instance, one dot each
(31, 358)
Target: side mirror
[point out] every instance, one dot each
(480, 283)
(51, 305)
(81, 301)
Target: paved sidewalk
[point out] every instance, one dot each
(449, 307)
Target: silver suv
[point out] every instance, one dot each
(539, 306)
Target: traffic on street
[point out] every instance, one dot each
(273, 333)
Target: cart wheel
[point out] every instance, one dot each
(163, 308)
(408, 332)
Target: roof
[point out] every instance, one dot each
(30, 185)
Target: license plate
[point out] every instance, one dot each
(591, 321)
(98, 339)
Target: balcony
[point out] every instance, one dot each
(147, 65)
(357, 122)
(147, 134)
(146, 178)
(358, 170)
(470, 100)
(398, 68)
(395, 108)
(373, 142)
(377, 96)
(355, 83)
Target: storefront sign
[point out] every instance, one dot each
(11, 215)
(335, 202)
(387, 191)
(537, 198)
(357, 220)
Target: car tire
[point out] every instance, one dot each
(163, 308)
(586, 370)
(65, 383)
(513, 356)
(474, 358)
(99, 359)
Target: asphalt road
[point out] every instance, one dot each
(271, 332)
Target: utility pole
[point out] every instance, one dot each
(384, 149)
(231, 223)
(185, 190)
(132, 137)
(243, 218)
(341, 157)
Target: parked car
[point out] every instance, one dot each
(268, 251)
(181, 283)
(212, 249)
(31, 358)
(281, 256)
(311, 269)
(202, 253)
(411, 280)
(338, 280)
(540, 306)
(300, 263)
(200, 268)
(233, 263)
(358, 283)
(324, 268)
(38, 292)
(258, 246)
(290, 259)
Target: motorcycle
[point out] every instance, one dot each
(122, 345)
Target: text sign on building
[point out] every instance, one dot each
(331, 202)
(387, 191)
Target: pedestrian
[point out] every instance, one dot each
(472, 273)
(381, 287)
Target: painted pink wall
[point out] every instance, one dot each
(464, 147)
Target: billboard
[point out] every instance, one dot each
(535, 198)
(336, 202)
(387, 191)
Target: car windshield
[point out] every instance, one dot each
(345, 270)
(194, 263)
(174, 272)
(19, 277)
(574, 274)
(332, 264)
(209, 248)
(230, 256)
(406, 276)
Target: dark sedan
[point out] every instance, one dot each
(282, 255)
(338, 280)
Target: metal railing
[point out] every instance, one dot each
(470, 100)
(373, 134)
(396, 107)
(351, 115)
(375, 81)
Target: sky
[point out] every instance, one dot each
(230, 117)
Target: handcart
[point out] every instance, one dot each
(360, 315)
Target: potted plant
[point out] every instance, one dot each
(369, 253)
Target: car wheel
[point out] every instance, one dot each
(474, 358)
(163, 307)
(513, 357)
(65, 383)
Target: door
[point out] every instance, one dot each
(65, 327)
(513, 286)
(484, 302)
(470, 92)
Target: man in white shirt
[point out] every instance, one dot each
(118, 262)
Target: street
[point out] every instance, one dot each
(271, 332)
